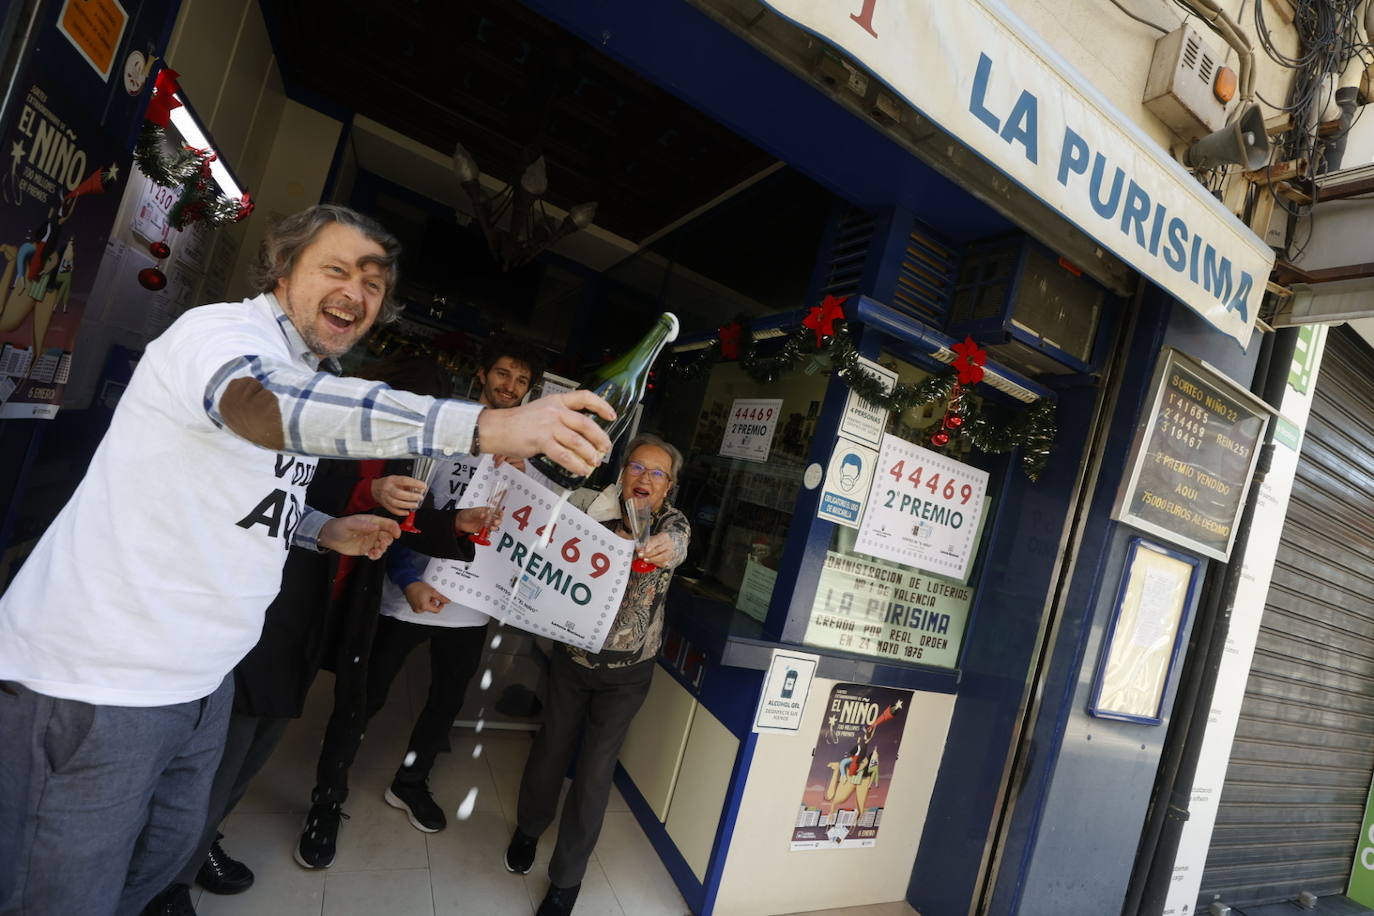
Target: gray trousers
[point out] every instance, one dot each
(247, 748)
(100, 805)
(598, 705)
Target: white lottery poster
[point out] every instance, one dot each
(749, 428)
(924, 509)
(568, 590)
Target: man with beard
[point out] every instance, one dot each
(412, 613)
(117, 635)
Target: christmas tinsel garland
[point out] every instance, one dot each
(1032, 429)
(187, 170)
(168, 169)
(183, 168)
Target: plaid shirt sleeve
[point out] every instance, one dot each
(307, 533)
(332, 417)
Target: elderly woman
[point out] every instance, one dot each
(595, 695)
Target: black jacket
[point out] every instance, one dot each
(303, 629)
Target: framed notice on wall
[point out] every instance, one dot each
(1142, 642)
(1193, 458)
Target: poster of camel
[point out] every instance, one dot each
(851, 768)
(61, 179)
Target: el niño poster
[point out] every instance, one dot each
(61, 179)
(851, 767)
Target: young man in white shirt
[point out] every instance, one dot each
(117, 635)
(414, 612)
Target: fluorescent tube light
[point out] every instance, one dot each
(190, 131)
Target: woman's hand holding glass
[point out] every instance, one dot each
(639, 519)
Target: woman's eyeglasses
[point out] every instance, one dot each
(638, 470)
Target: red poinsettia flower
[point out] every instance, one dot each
(969, 360)
(822, 318)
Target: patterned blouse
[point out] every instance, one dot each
(637, 630)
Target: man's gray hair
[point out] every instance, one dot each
(650, 439)
(287, 239)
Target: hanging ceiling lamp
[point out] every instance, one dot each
(514, 220)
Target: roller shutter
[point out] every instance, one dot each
(1300, 768)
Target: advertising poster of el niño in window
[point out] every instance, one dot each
(61, 179)
(851, 768)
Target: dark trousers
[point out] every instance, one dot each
(99, 805)
(598, 705)
(454, 654)
(249, 744)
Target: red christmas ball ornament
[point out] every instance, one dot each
(159, 250)
(953, 421)
(940, 439)
(152, 278)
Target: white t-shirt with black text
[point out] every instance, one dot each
(448, 481)
(151, 584)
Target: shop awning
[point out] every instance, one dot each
(976, 70)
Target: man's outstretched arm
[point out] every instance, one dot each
(281, 407)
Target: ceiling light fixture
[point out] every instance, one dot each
(514, 220)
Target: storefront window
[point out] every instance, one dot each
(888, 610)
(741, 508)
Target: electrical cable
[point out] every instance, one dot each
(1296, 256)
(1260, 95)
(1140, 19)
(1329, 38)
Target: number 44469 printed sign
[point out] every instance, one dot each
(923, 510)
(566, 586)
(749, 428)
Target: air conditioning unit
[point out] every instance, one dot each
(1180, 88)
(1029, 308)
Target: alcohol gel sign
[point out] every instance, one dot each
(981, 74)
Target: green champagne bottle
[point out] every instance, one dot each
(621, 383)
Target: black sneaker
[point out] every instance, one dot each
(174, 901)
(319, 835)
(559, 901)
(520, 853)
(220, 874)
(415, 800)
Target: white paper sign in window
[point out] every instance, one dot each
(924, 509)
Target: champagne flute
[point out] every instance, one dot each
(639, 516)
(495, 503)
(423, 468)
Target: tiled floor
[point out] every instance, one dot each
(385, 866)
